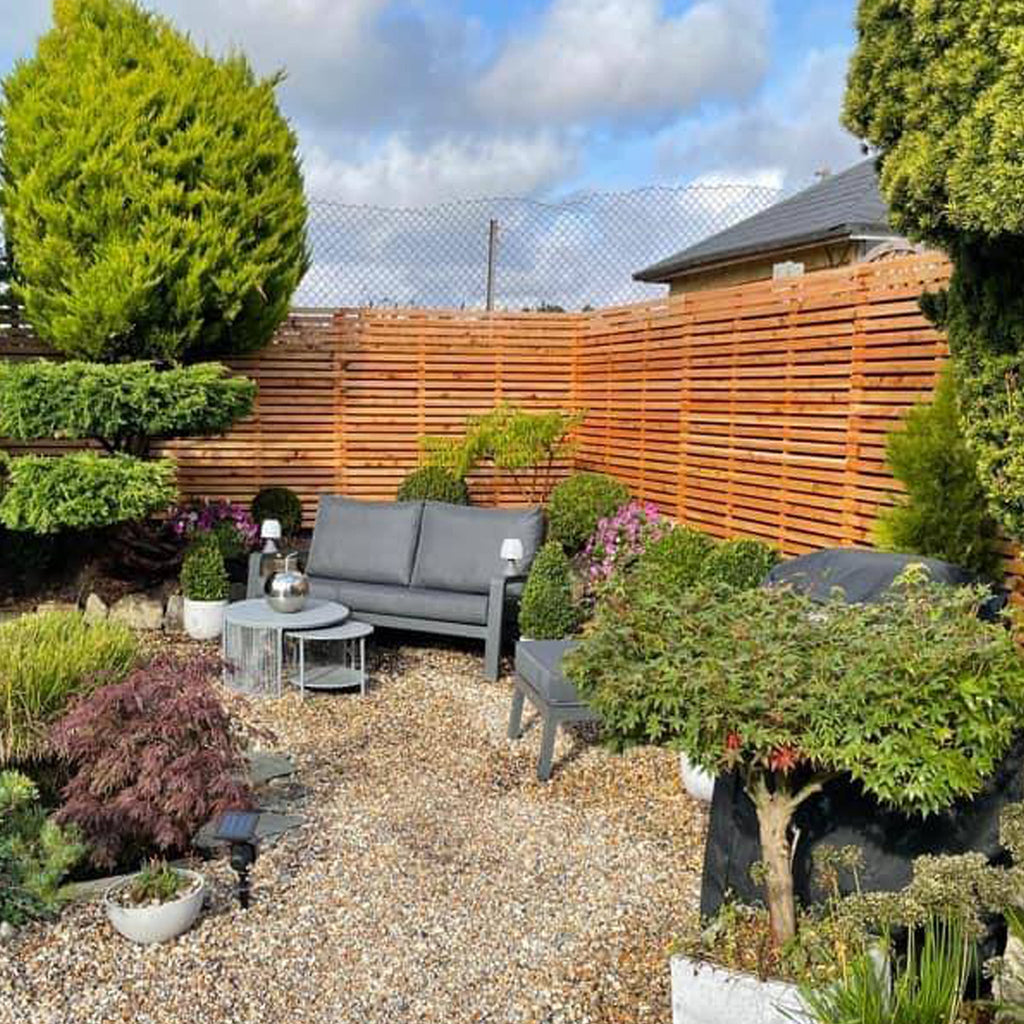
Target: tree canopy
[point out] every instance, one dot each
(152, 197)
(935, 88)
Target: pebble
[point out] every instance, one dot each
(433, 880)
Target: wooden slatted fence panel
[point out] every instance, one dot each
(410, 372)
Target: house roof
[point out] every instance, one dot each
(842, 205)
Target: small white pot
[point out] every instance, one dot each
(146, 925)
(697, 782)
(204, 620)
(705, 994)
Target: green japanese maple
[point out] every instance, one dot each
(916, 698)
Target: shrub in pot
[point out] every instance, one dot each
(579, 503)
(158, 903)
(280, 503)
(916, 698)
(152, 759)
(204, 583)
(548, 610)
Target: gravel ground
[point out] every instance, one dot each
(436, 879)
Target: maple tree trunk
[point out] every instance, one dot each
(774, 814)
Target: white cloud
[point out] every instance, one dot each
(784, 137)
(604, 58)
(400, 172)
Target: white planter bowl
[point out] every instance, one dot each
(146, 925)
(698, 783)
(705, 994)
(204, 620)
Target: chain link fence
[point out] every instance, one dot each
(569, 255)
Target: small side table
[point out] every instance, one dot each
(349, 671)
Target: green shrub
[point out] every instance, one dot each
(181, 237)
(432, 483)
(35, 854)
(944, 512)
(673, 563)
(916, 698)
(45, 661)
(525, 445)
(203, 575)
(935, 88)
(122, 406)
(578, 503)
(84, 490)
(547, 610)
(741, 563)
(282, 504)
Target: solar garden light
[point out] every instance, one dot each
(270, 534)
(238, 830)
(512, 553)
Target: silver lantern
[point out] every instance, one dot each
(287, 589)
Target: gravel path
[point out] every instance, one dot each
(436, 880)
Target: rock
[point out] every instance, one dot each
(266, 765)
(44, 607)
(96, 609)
(139, 611)
(7, 932)
(174, 614)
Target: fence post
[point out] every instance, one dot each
(492, 251)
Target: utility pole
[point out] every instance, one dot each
(492, 251)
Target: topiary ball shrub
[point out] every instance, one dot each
(203, 574)
(579, 503)
(547, 610)
(741, 563)
(152, 759)
(434, 483)
(45, 661)
(282, 504)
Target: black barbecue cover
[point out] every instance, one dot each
(843, 814)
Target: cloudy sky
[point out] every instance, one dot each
(408, 102)
(412, 103)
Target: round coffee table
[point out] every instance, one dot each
(253, 641)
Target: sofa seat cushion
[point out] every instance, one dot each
(410, 602)
(460, 547)
(539, 662)
(368, 541)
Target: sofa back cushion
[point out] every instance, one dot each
(460, 547)
(369, 541)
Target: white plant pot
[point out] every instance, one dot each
(697, 782)
(204, 620)
(705, 994)
(146, 925)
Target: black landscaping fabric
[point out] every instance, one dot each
(843, 814)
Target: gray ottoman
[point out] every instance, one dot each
(539, 677)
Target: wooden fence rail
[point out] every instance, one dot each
(758, 410)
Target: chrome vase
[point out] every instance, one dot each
(287, 590)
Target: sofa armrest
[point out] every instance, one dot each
(496, 604)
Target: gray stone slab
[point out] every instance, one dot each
(265, 765)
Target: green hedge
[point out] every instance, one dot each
(45, 660)
(120, 402)
(83, 491)
(433, 483)
(282, 504)
(547, 610)
(578, 503)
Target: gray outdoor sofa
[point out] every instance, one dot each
(422, 566)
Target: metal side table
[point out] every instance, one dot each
(350, 667)
(253, 642)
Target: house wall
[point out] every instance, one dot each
(759, 268)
